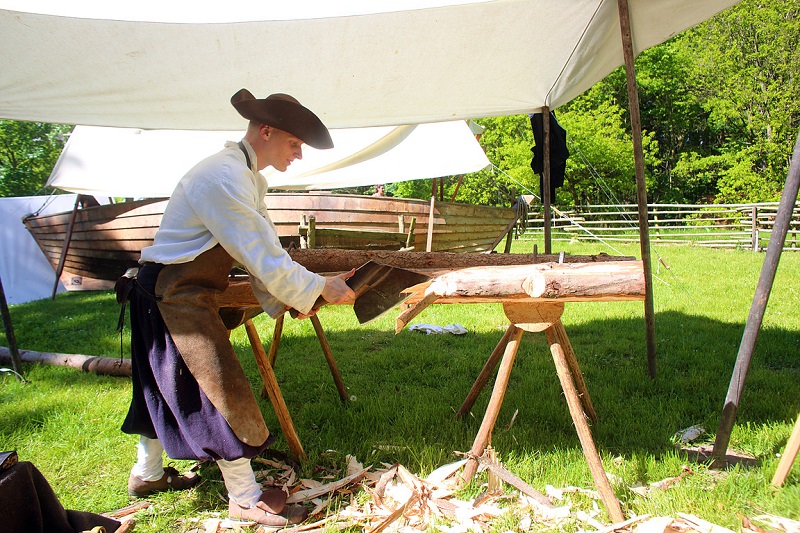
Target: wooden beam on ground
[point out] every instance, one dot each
(641, 186)
(110, 366)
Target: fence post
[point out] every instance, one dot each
(754, 228)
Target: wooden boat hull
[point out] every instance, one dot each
(107, 240)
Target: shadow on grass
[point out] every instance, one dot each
(406, 388)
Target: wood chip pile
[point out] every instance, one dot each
(390, 498)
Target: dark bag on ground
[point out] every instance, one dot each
(31, 506)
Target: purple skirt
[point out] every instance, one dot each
(167, 401)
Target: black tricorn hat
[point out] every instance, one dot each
(285, 113)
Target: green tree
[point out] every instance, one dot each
(745, 72)
(601, 168)
(28, 152)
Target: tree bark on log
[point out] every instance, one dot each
(483, 277)
(108, 366)
(336, 260)
(567, 282)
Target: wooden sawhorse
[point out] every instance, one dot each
(539, 317)
(236, 316)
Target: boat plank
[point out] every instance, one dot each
(108, 239)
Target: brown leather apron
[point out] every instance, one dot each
(190, 309)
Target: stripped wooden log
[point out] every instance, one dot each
(110, 366)
(568, 282)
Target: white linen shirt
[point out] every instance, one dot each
(221, 201)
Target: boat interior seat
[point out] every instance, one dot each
(314, 237)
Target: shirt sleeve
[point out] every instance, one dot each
(227, 205)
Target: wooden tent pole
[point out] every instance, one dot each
(776, 240)
(16, 360)
(429, 243)
(546, 179)
(458, 184)
(641, 186)
(65, 246)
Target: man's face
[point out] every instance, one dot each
(282, 148)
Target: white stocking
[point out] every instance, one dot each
(240, 480)
(149, 462)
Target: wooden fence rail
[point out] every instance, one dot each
(745, 226)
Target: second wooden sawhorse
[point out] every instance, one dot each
(539, 318)
(533, 299)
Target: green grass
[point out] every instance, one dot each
(407, 387)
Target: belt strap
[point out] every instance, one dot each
(246, 155)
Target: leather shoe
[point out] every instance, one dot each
(270, 510)
(171, 480)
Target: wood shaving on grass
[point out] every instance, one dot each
(389, 498)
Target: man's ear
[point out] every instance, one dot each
(266, 130)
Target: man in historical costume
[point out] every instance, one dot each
(191, 398)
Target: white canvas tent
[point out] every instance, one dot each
(357, 63)
(25, 271)
(136, 163)
(457, 60)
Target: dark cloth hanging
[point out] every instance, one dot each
(558, 152)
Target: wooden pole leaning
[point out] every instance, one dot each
(641, 186)
(758, 308)
(16, 360)
(65, 246)
(274, 392)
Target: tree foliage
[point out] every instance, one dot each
(720, 108)
(28, 152)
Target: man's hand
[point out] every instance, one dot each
(336, 291)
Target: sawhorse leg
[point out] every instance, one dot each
(326, 350)
(556, 336)
(486, 373)
(788, 457)
(496, 401)
(273, 349)
(274, 392)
